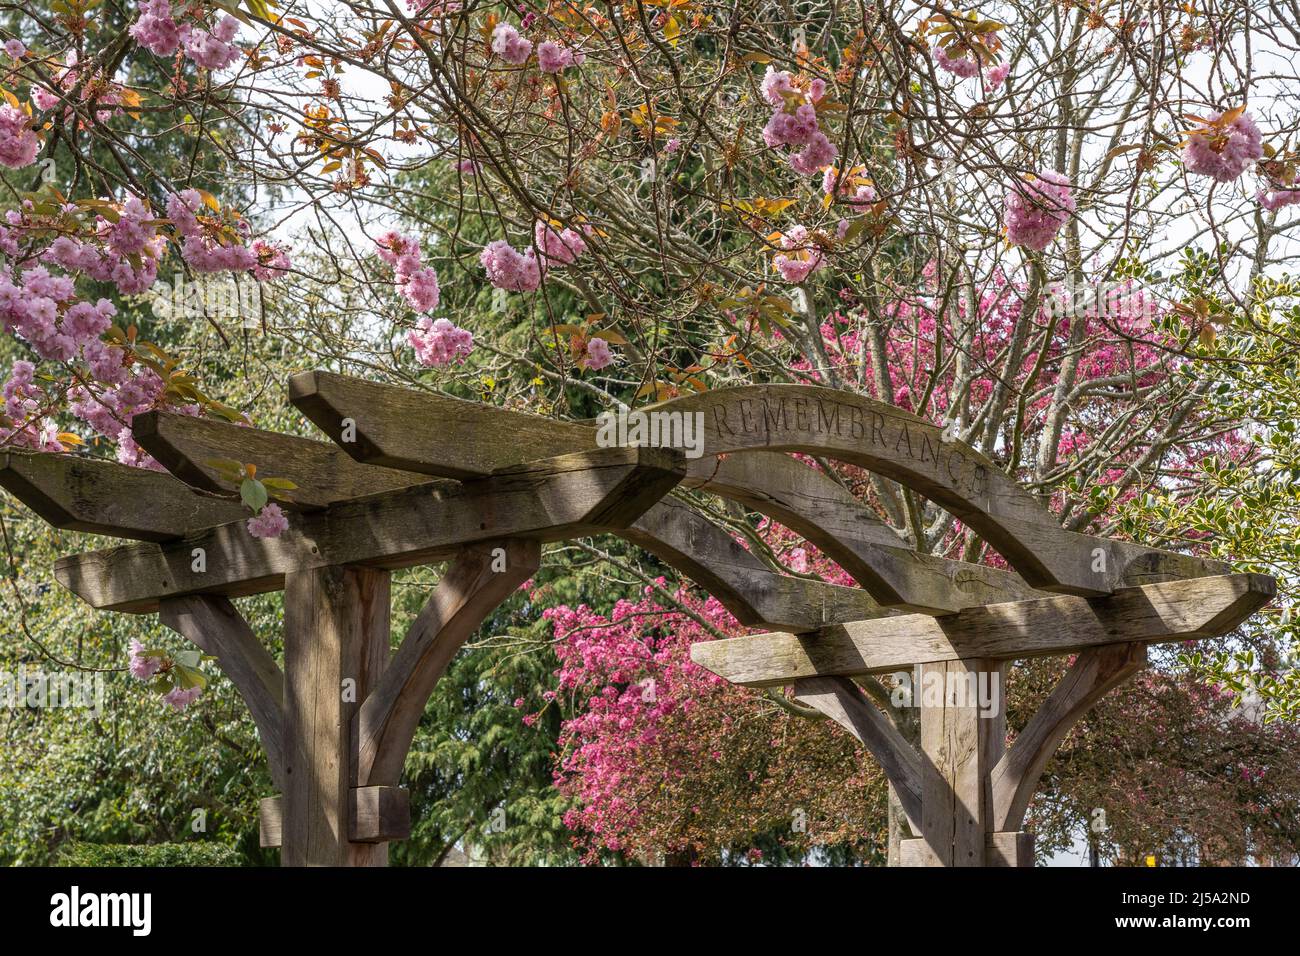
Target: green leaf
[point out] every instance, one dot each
(253, 493)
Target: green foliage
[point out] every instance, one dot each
(152, 854)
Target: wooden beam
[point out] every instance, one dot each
(843, 701)
(379, 814)
(479, 579)
(373, 423)
(324, 473)
(335, 646)
(103, 497)
(550, 500)
(213, 625)
(1095, 672)
(1167, 611)
(755, 594)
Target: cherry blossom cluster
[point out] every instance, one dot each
(515, 50)
(93, 89)
(147, 664)
(598, 354)
(158, 32)
(440, 342)
(966, 67)
(801, 257)
(1036, 207)
(508, 268)
(416, 282)
(1224, 147)
(19, 143)
(794, 121)
(853, 186)
(270, 522)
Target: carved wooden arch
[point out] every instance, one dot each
(414, 478)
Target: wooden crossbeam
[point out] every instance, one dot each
(103, 497)
(1167, 611)
(325, 475)
(550, 500)
(374, 423)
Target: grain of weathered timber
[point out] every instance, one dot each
(324, 473)
(1000, 850)
(270, 822)
(559, 498)
(756, 595)
(1014, 848)
(476, 582)
(379, 814)
(463, 438)
(213, 625)
(954, 763)
(335, 646)
(1167, 611)
(843, 702)
(103, 497)
(1094, 673)
(427, 432)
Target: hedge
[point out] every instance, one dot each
(150, 854)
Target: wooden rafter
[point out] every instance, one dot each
(562, 497)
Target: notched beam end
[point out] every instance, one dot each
(379, 814)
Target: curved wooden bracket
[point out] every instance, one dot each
(1095, 672)
(477, 581)
(755, 594)
(844, 702)
(214, 625)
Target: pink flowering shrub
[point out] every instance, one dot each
(1036, 208)
(415, 282)
(962, 66)
(1224, 146)
(270, 522)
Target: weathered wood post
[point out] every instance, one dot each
(335, 647)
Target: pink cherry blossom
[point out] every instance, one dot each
(439, 343)
(181, 697)
(1036, 207)
(270, 522)
(820, 152)
(156, 30)
(142, 667)
(19, 143)
(1223, 152)
(15, 49)
(598, 354)
(272, 260)
(997, 75)
(554, 58)
(965, 67)
(1278, 197)
(803, 258)
(510, 46)
(562, 247)
(509, 269)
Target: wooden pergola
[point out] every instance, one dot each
(411, 478)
